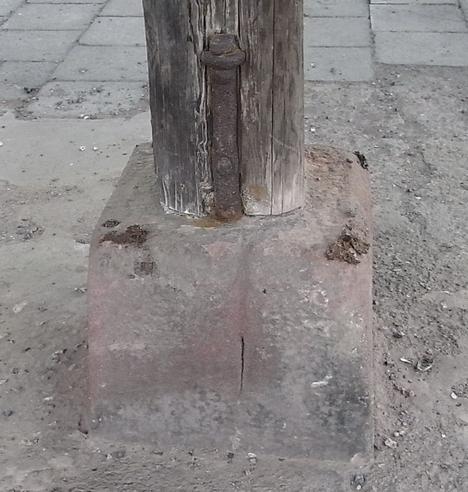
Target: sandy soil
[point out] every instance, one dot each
(413, 127)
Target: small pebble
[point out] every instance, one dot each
(397, 333)
(119, 454)
(358, 481)
(252, 457)
(17, 308)
(390, 443)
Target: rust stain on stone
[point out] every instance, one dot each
(211, 222)
(350, 246)
(133, 236)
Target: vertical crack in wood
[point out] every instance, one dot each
(204, 181)
(239, 97)
(225, 23)
(239, 13)
(272, 155)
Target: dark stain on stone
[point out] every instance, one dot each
(349, 247)
(111, 223)
(144, 268)
(362, 159)
(133, 236)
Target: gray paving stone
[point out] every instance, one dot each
(421, 48)
(36, 45)
(7, 6)
(336, 31)
(335, 8)
(52, 17)
(115, 31)
(75, 99)
(417, 18)
(414, 2)
(102, 63)
(26, 74)
(17, 78)
(9, 92)
(464, 7)
(68, 1)
(123, 8)
(339, 64)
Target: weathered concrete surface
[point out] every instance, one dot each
(35, 45)
(235, 336)
(336, 8)
(98, 56)
(417, 18)
(115, 31)
(50, 17)
(429, 48)
(336, 32)
(339, 63)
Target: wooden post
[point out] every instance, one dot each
(270, 135)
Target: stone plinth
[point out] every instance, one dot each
(251, 335)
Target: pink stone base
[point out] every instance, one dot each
(234, 336)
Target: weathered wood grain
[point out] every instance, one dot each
(175, 40)
(288, 108)
(222, 16)
(271, 135)
(272, 106)
(256, 38)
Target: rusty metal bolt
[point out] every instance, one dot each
(224, 53)
(223, 59)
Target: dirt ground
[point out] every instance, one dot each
(412, 125)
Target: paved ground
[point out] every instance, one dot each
(387, 79)
(75, 58)
(85, 58)
(347, 38)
